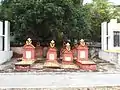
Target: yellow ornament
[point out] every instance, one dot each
(52, 43)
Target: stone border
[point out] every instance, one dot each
(54, 73)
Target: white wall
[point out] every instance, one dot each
(7, 36)
(112, 26)
(104, 36)
(1, 36)
(5, 54)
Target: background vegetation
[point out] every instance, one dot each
(44, 20)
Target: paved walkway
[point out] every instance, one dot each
(57, 80)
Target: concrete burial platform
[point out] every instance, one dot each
(58, 79)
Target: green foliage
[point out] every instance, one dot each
(100, 11)
(54, 19)
(45, 19)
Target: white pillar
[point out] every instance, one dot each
(104, 36)
(7, 36)
(1, 36)
(111, 27)
(110, 41)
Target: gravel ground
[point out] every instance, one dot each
(102, 66)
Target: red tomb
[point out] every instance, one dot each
(67, 55)
(74, 51)
(67, 61)
(28, 57)
(51, 60)
(62, 50)
(82, 57)
(45, 49)
(28, 51)
(82, 52)
(52, 54)
(39, 51)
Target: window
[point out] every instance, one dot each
(116, 38)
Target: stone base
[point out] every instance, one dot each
(23, 65)
(37, 66)
(69, 66)
(67, 62)
(39, 58)
(52, 64)
(5, 56)
(87, 65)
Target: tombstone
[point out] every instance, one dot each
(67, 61)
(45, 49)
(62, 50)
(28, 57)
(39, 51)
(74, 50)
(28, 50)
(82, 57)
(39, 57)
(82, 51)
(51, 59)
(67, 55)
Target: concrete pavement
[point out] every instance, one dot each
(58, 80)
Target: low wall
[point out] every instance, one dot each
(5, 56)
(112, 57)
(17, 51)
(94, 51)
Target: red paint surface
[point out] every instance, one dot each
(52, 51)
(81, 48)
(22, 68)
(39, 51)
(67, 53)
(61, 52)
(30, 48)
(87, 67)
(74, 51)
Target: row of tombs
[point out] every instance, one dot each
(77, 58)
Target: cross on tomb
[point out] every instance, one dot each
(29, 39)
